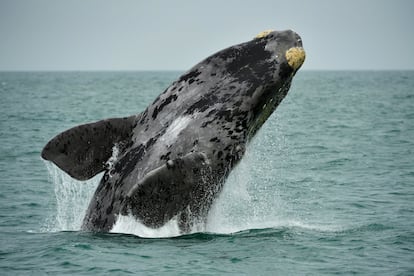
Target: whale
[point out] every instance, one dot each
(171, 160)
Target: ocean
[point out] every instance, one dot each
(326, 186)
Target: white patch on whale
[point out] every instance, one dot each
(166, 140)
(172, 132)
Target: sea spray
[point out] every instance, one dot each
(249, 200)
(243, 204)
(251, 197)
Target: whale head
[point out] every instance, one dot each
(259, 72)
(287, 45)
(285, 55)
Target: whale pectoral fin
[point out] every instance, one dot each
(169, 189)
(82, 151)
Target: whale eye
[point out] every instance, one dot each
(263, 34)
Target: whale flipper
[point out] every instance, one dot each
(82, 151)
(166, 190)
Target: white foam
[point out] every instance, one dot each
(129, 225)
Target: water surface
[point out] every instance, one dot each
(326, 187)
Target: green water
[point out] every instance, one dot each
(326, 187)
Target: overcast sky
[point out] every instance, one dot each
(175, 35)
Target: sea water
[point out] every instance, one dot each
(326, 186)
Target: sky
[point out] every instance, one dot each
(49, 35)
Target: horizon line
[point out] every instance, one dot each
(179, 70)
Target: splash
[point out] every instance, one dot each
(244, 202)
(238, 208)
(114, 157)
(130, 225)
(71, 200)
(252, 198)
(72, 197)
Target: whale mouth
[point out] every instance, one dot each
(295, 57)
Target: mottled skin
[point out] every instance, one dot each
(176, 155)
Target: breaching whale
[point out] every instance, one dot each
(172, 159)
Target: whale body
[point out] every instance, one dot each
(172, 159)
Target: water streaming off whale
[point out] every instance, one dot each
(249, 200)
